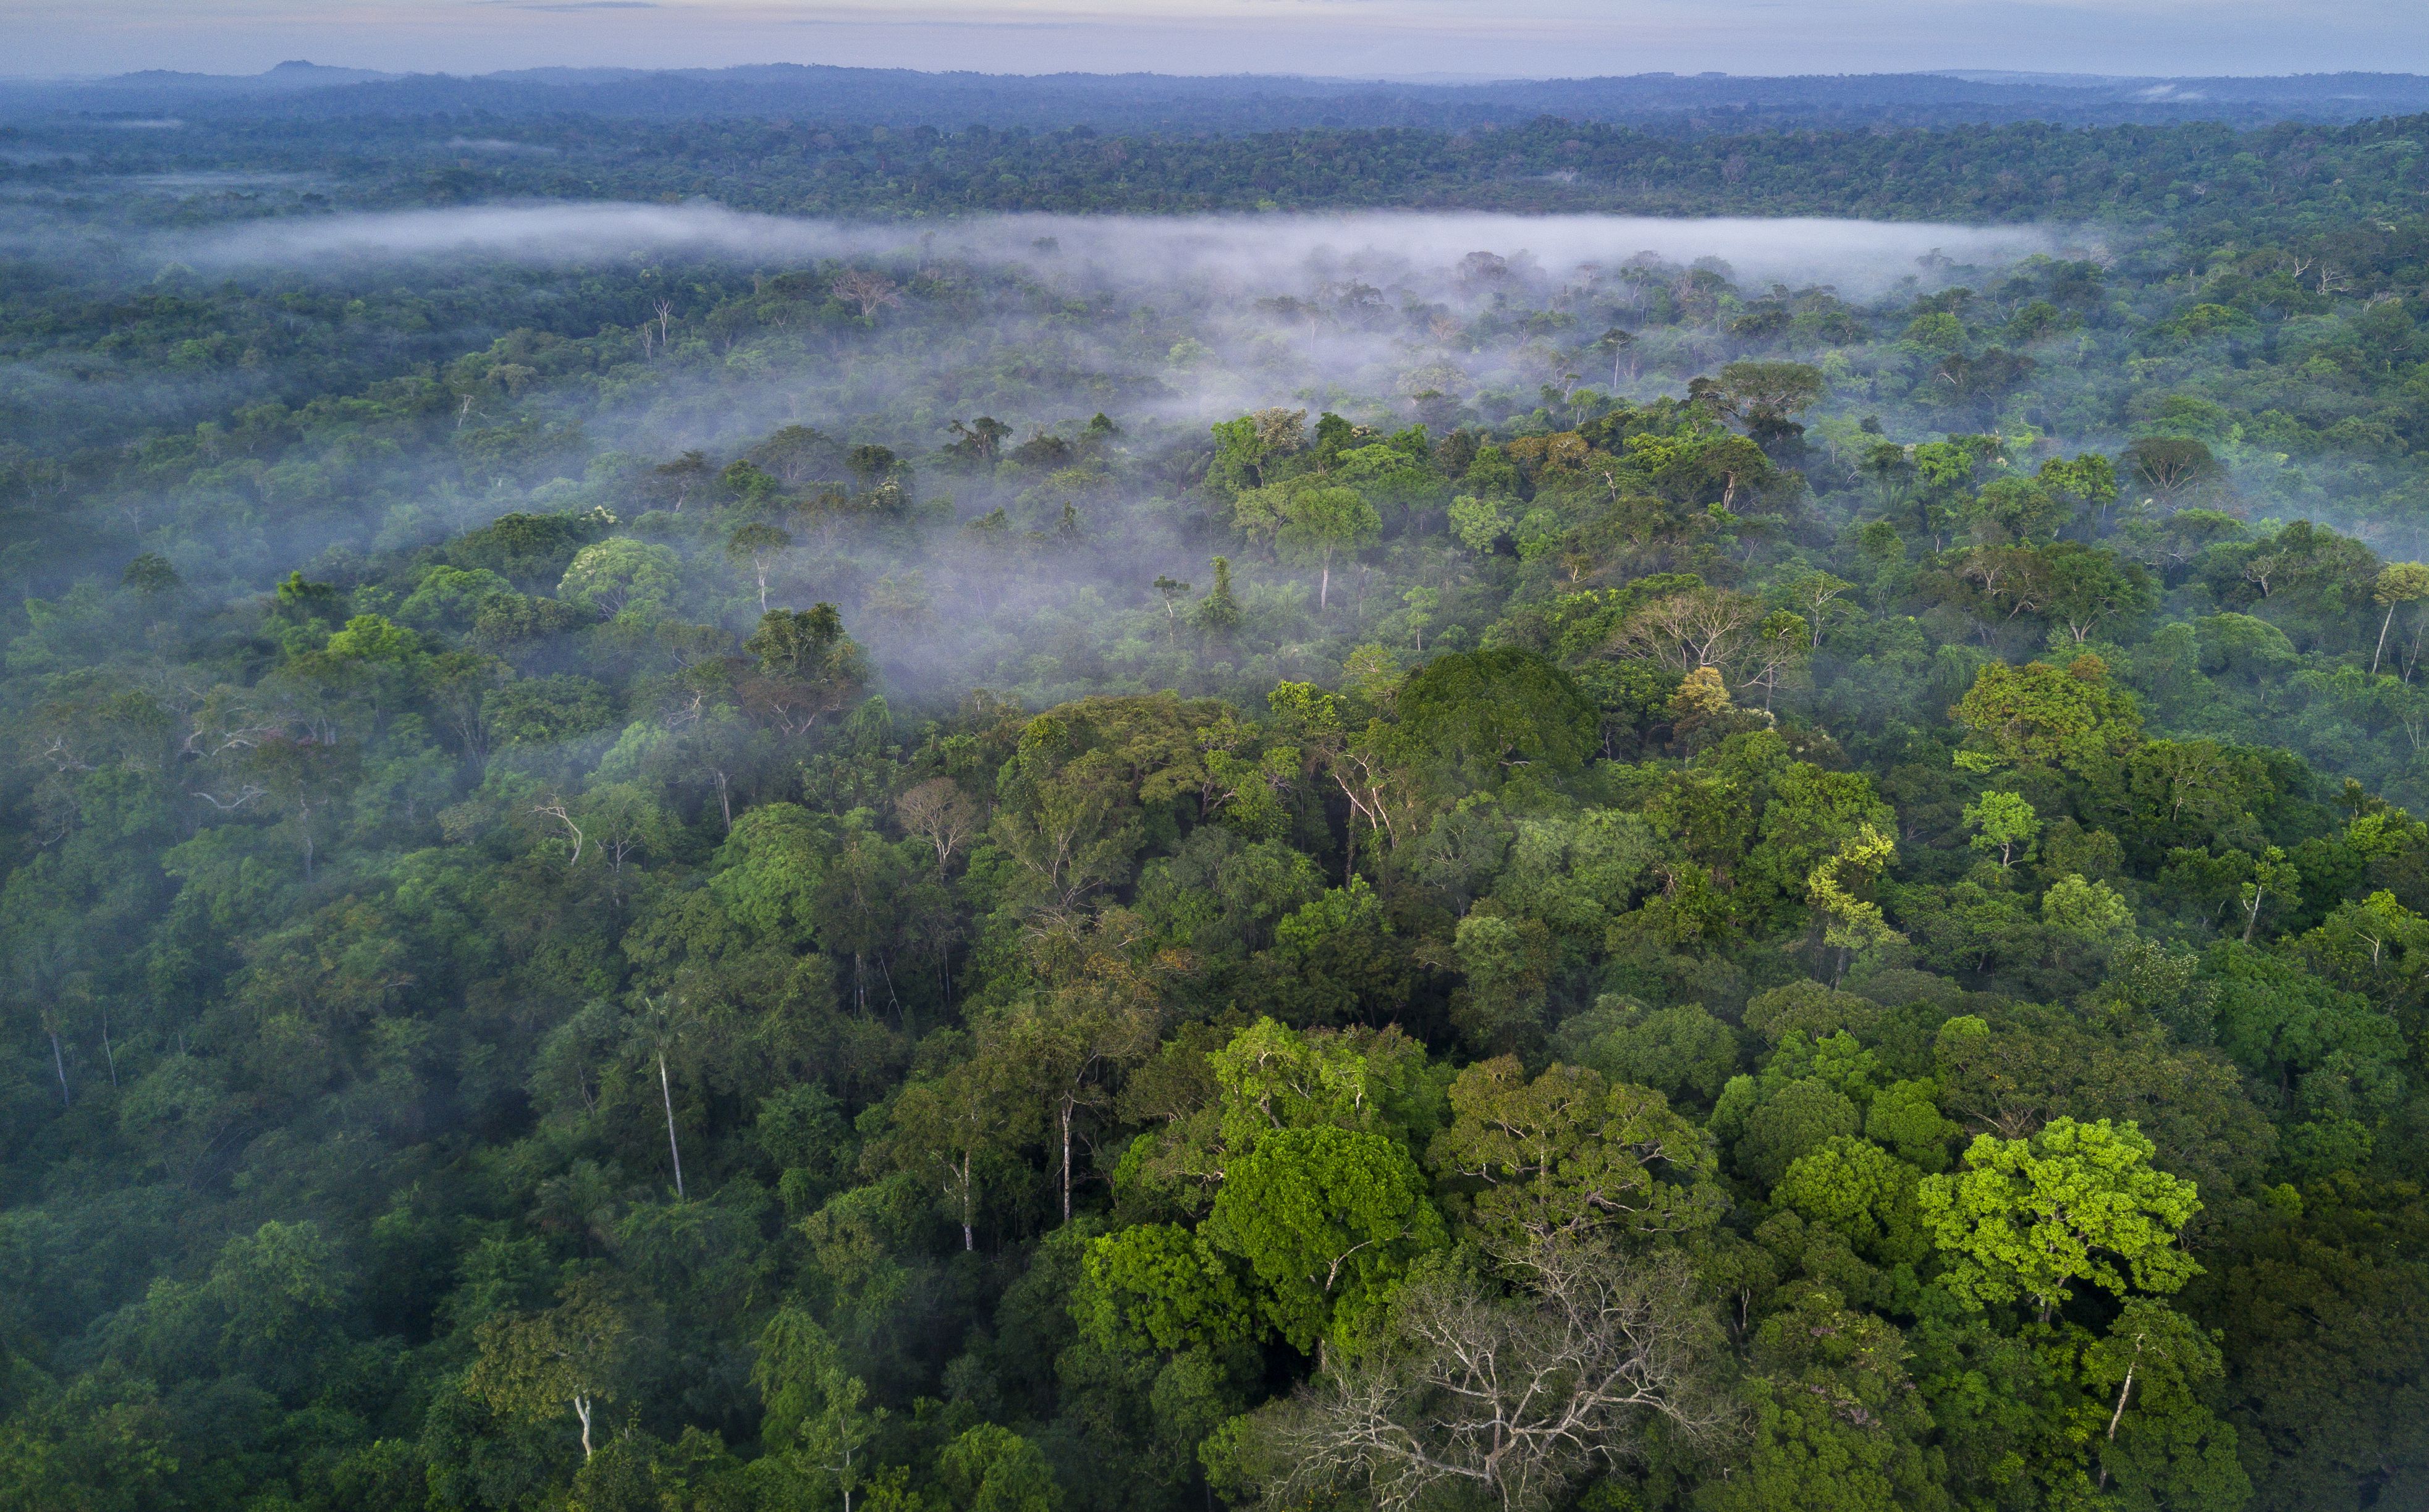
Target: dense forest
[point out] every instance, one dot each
(1363, 869)
(1669, 103)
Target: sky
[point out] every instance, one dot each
(1366, 39)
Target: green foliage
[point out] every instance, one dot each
(1561, 1156)
(1327, 1219)
(1778, 891)
(1160, 1285)
(2026, 1219)
(1482, 718)
(1836, 1422)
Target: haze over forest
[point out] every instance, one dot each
(801, 788)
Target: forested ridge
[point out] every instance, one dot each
(1145, 103)
(2208, 178)
(639, 877)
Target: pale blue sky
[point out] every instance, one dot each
(1358, 37)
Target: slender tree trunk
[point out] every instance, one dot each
(1067, 1159)
(108, 1054)
(666, 1093)
(969, 1236)
(2381, 650)
(581, 1411)
(1324, 592)
(58, 1063)
(2119, 1416)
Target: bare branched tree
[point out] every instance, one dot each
(871, 291)
(939, 812)
(1703, 627)
(1516, 1398)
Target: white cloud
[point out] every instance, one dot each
(1262, 250)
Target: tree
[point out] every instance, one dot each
(1614, 342)
(620, 576)
(1250, 452)
(1702, 627)
(536, 1365)
(1161, 1286)
(98, 1443)
(1482, 715)
(1768, 396)
(1171, 590)
(815, 1410)
(954, 1127)
(982, 440)
(792, 451)
(2005, 823)
(150, 575)
(1328, 1219)
(991, 1469)
(1851, 922)
(2042, 715)
(1814, 595)
(624, 820)
(2171, 466)
(808, 666)
(938, 812)
(2086, 483)
(1837, 1423)
(684, 473)
(869, 289)
(1219, 610)
(1070, 1045)
(1780, 647)
(1479, 523)
(2083, 588)
(1891, 467)
(1317, 522)
(1511, 1399)
(1856, 1188)
(1567, 1156)
(757, 543)
(660, 1026)
(2161, 1445)
(2272, 875)
(2076, 1201)
(2399, 582)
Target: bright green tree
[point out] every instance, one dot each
(2043, 715)
(1329, 1220)
(2029, 1219)
(1316, 523)
(2004, 822)
(1164, 1286)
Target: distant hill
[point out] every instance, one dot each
(1152, 101)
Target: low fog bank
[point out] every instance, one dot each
(1862, 257)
